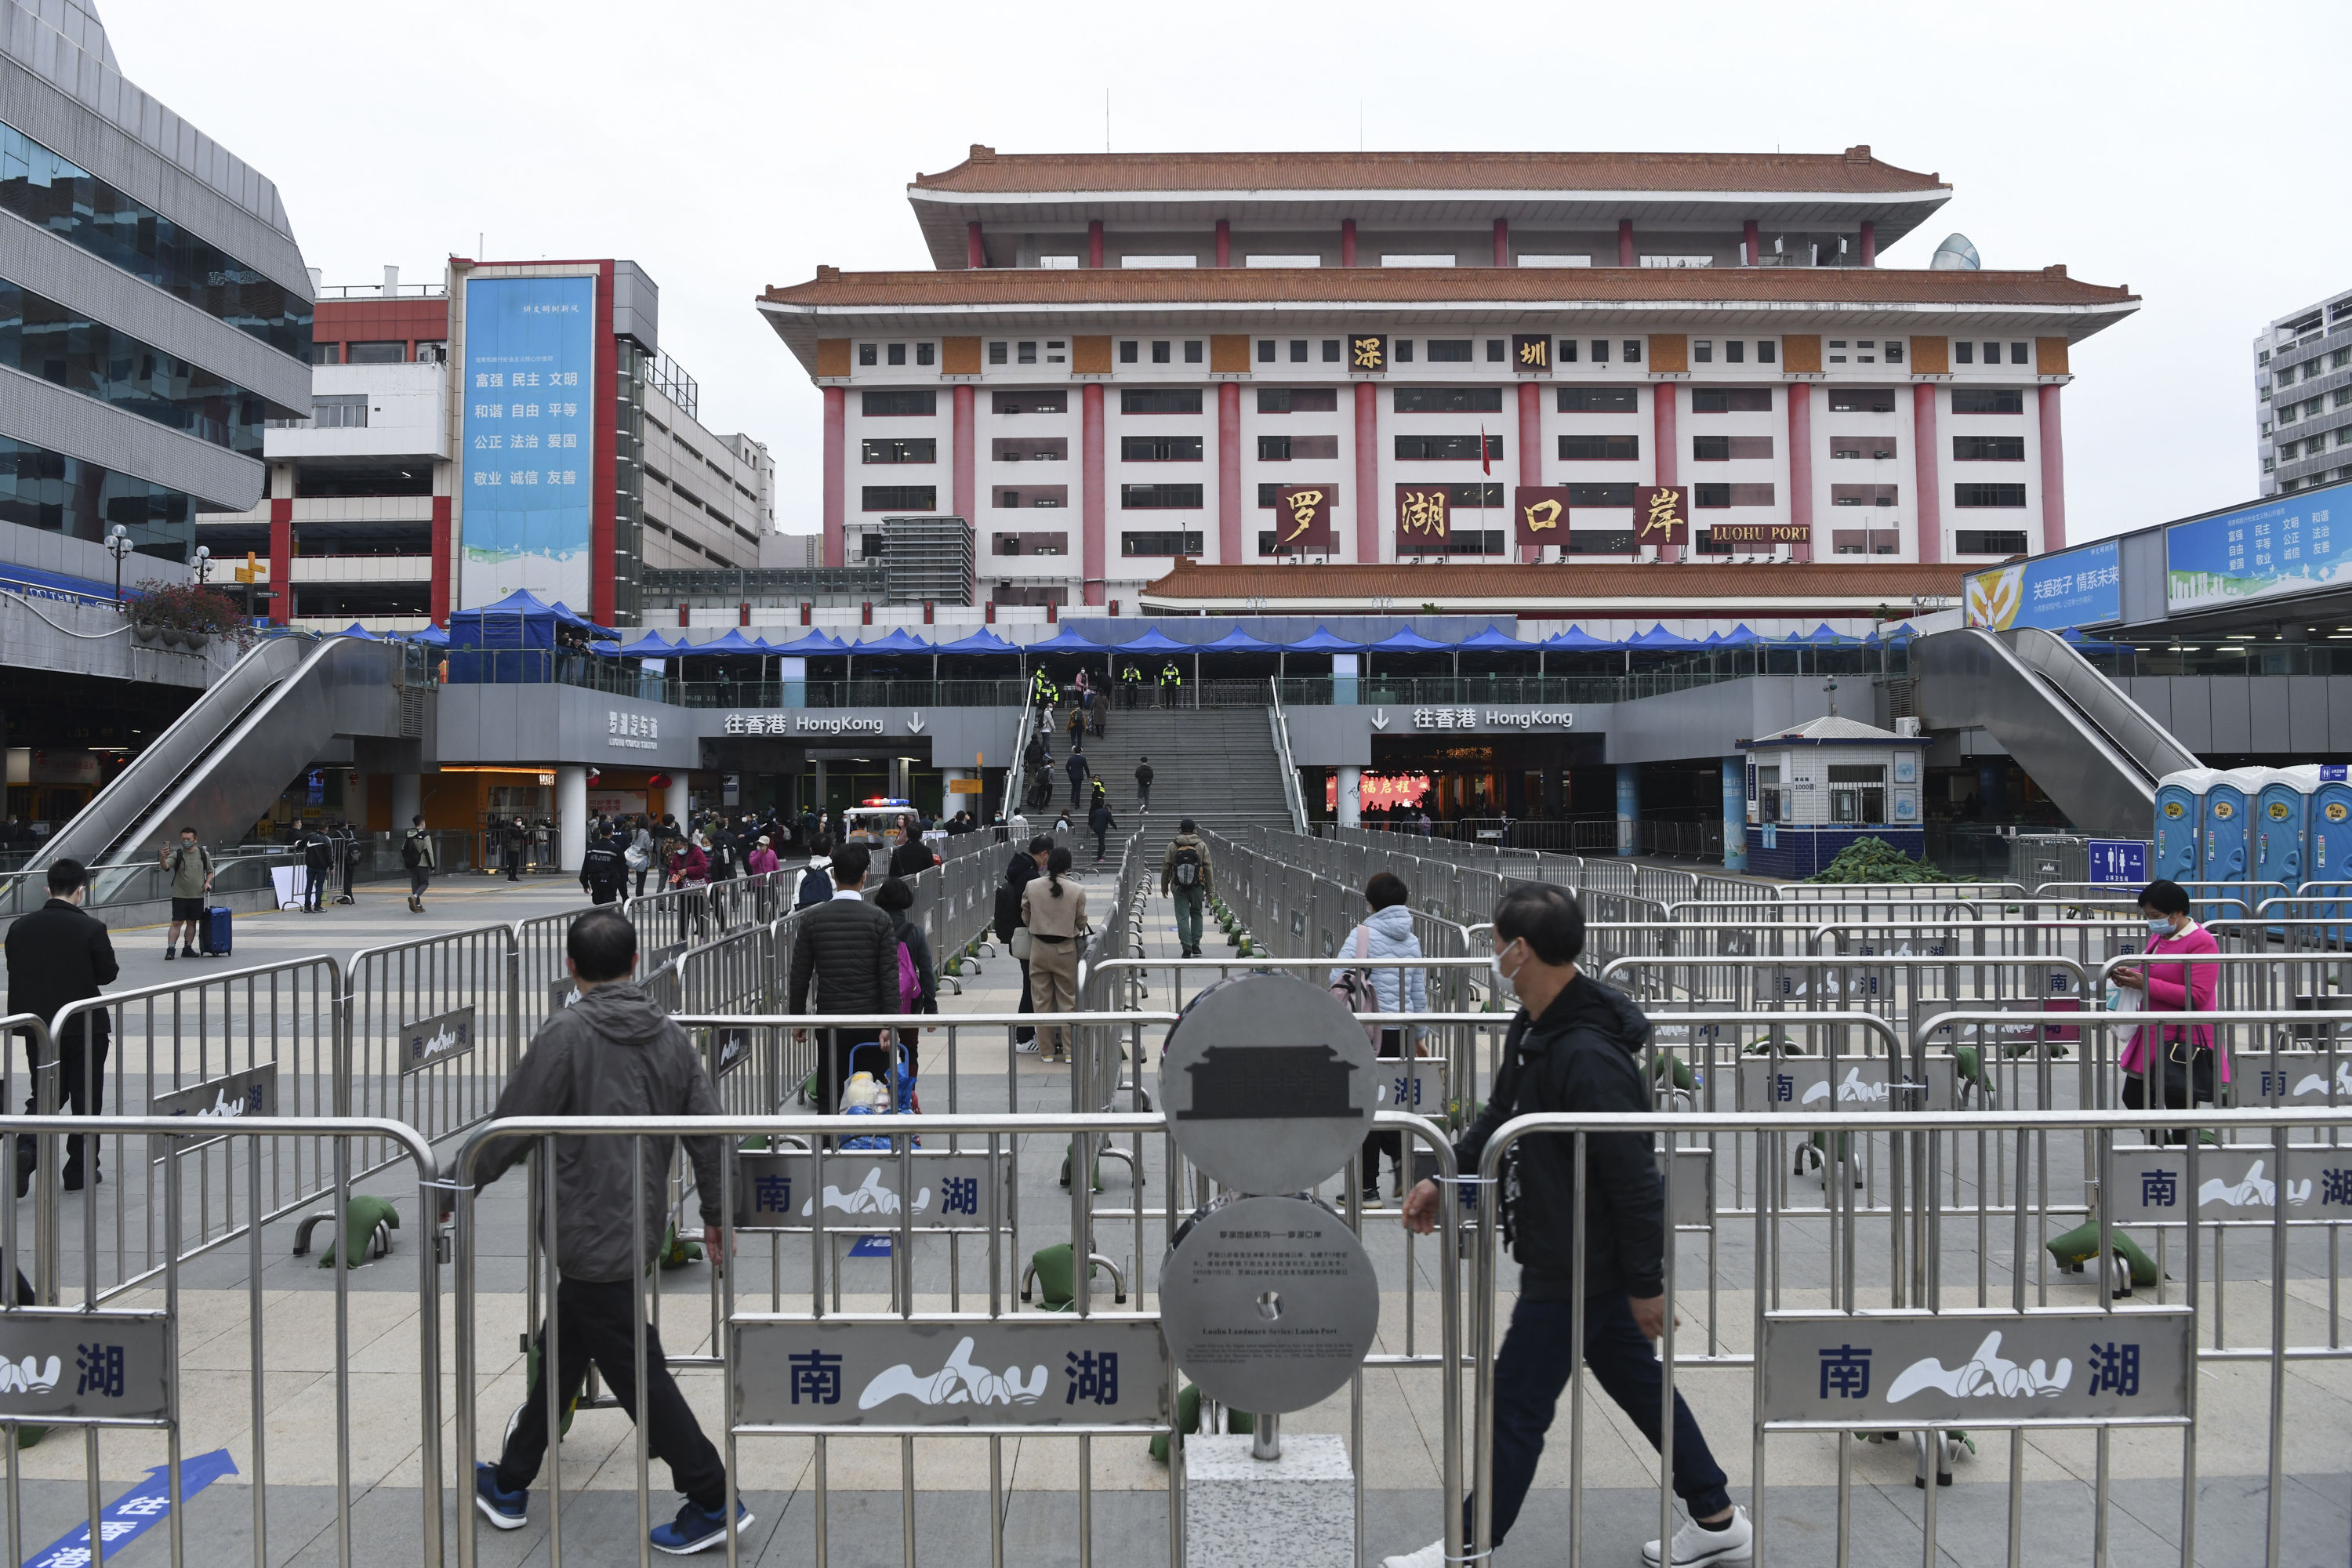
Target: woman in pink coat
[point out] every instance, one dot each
(762, 860)
(2172, 988)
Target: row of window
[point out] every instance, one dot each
(2312, 407)
(2312, 368)
(2314, 446)
(1440, 448)
(431, 351)
(923, 402)
(69, 348)
(1492, 541)
(1194, 498)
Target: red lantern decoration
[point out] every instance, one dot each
(657, 781)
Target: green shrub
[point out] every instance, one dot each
(1877, 860)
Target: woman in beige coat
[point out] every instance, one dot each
(1055, 913)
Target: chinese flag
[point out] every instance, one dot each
(1486, 463)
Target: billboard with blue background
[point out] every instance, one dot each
(2072, 588)
(2282, 546)
(530, 440)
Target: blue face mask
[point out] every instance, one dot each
(2161, 925)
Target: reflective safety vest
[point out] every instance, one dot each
(1169, 675)
(1130, 673)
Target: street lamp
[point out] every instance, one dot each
(203, 565)
(118, 544)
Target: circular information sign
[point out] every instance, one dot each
(1268, 1303)
(1269, 1083)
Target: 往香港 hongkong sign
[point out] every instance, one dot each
(801, 725)
(1426, 719)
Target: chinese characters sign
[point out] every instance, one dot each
(1661, 514)
(1380, 792)
(1422, 517)
(1539, 512)
(431, 1040)
(1849, 1084)
(776, 1192)
(632, 732)
(528, 390)
(2077, 588)
(2285, 545)
(1368, 352)
(1035, 1370)
(1531, 353)
(1824, 1371)
(2240, 1181)
(250, 1092)
(67, 1365)
(1303, 517)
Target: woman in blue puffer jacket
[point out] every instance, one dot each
(1388, 933)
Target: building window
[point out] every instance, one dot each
(1297, 399)
(377, 353)
(1735, 352)
(1725, 495)
(1766, 350)
(1987, 494)
(1731, 400)
(1403, 351)
(1864, 495)
(1988, 400)
(1159, 400)
(1298, 351)
(1054, 400)
(1599, 399)
(1866, 400)
(897, 353)
(326, 353)
(1989, 448)
(1192, 351)
(1582, 496)
(1159, 448)
(1159, 498)
(920, 451)
(1875, 447)
(1330, 350)
(1993, 354)
(1032, 543)
(869, 353)
(1701, 351)
(996, 353)
(1600, 351)
(1977, 542)
(1266, 351)
(899, 403)
(1446, 448)
(1035, 450)
(2017, 354)
(1447, 399)
(71, 349)
(1287, 449)
(1494, 351)
(1169, 544)
(922, 354)
(899, 498)
(346, 413)
(1035, 496)
(1128, 351)
(1724, 448)
(1027, 353)
(1567, 352)
(1633, 347)
(1159, 350)
(1054, 350)
(1601, 450)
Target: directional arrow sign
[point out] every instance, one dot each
(133, 1514)
(914, 724)
(1380, 717)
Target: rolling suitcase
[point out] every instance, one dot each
(216, 940)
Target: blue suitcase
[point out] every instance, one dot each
(215, 939)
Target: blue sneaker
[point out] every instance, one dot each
(698, 1530)
(506, 1509)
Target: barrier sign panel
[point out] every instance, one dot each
(1882, 1371)
(1040, 1369)
(1694, 1187)
(778, 1191)
(428, 1041)
(60, 1365)
(1416, 1084)
(2119, 862)
(250, 1092)
(2296, 1077)
(2233, 1182)
(1269, 1083)
(1270, 1302)
(1862, 1083)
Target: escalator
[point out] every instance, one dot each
(2094, 750)
(221, 763)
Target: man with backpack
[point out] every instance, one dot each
(191, 866)
(850, 949)
(1576, 1047)
(1185, 876)
(416, 858)
(603, 869)
(1143, 783)
(816, 878)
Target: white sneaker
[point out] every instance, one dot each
(1695, 1545)
(1430, 1557)
(1026, 1047)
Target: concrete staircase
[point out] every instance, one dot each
(1216, 765)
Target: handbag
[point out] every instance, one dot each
(1021, 944)
(2180, 1061)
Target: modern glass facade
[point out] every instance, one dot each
(72, 349)
(58, 494)
(44, 188)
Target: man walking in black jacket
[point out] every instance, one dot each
(319, 864)
(850, 949)
(604, 870)
(59, 954)
(1575, 1047)
(1080, 770)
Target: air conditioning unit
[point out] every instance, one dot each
(1881, 453)
(1012, 457)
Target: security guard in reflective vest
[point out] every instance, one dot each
(1130, 682)
(1171, 685)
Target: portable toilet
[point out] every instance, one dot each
(2282, 830)
(2331, 840)
(2181, 824)
(2228, 817)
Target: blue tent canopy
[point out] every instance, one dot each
(431, 637)
(1068, 640)
(359, 631)
(733, 642)
(1404, 639)
(1658, 637)
(1576, 639)
(810, 643)
(1494, 637)
(1237, 641)
(983, 641)
(1740, 636)
(897, 642)
(1904, 631)
(518, 620)
(1823, 637)
(1154, 640)
(1321, 641)
(649, 646)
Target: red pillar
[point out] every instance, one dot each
(1368, 472)
(836, 476)
(1502, 242)
(1090, 490)
(1094, 242)
(1925, 469)
(1801, 463)
(1531, 458)
(441, 563)
(1346, 242)
(1625, 242)
(965, 489)
(1869, 242)
(975, 254)
(2053, 472)
(1747, 243)
(1224, 242)
(1228, 473)
(1661, 433)
(281, 559)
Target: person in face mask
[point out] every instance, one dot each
(1576, 1046)
(2172, 1068)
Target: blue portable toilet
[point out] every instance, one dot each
(2229, 826)
(2180, 834)
(2282, 828)
(2331, 839)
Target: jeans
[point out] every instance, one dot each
(419, 878)
(1535, 1365)
(314, 887)
(596, 1320)
(1188, 917)
(1391, 1050)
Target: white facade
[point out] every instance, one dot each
(2303, 397)
(709, 498)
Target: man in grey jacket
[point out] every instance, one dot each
(610, 1053)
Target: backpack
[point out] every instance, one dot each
(409, 858)
(1354, 986)
(816, 887)
(1185, 870)
(1008, 910)
(910, 981)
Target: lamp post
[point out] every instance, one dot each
(118, 544)
(203, 565)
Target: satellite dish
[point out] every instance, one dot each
(1955, 254)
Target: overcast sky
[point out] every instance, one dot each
(2181, 150)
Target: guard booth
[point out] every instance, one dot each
(1822, 785)
(2180, 834)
